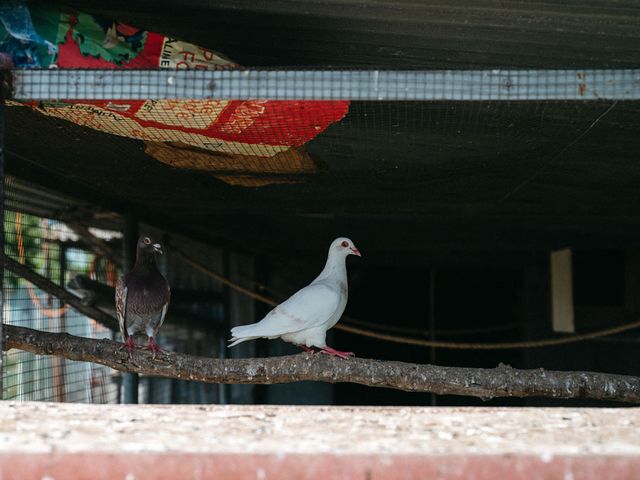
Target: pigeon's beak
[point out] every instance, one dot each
(157, 248)
(355, 251)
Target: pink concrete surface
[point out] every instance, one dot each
(49, 441)
(171, 466)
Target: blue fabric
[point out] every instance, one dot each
(22, 40)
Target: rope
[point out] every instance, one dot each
(458, 332)
(407, 330)
(238, 288)
(547, 342)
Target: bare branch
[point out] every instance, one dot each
(188, 309)
(102, 296)
(83, 305)
(50, 287)
(99, 246)
(502, 381)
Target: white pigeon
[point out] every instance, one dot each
(304, 318)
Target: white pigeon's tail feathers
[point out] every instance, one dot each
(256, 330)
(243, 333)
(236, 341)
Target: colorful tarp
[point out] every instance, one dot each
(41, 37)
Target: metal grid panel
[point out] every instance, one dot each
(462, 85)
(41, 243)
(56, 251)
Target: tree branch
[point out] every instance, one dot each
(102, 296)
(188, 308)
(188, 319)
(502, 381)
(97, 245)
(50, 287)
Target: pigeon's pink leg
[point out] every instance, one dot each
(153, 346)
(332, 351)
(129, 345)
(306, 349)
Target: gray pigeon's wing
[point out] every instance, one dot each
(121, 307)
(157, 322)
(163, 312)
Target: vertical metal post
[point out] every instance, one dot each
(58, 363)
(222, 344)
(129, 242)
(432, 322)
(3, 77)
(63, 314)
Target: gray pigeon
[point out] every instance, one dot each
(142, 297)
(304, 318)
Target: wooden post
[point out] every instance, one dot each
(562, 316)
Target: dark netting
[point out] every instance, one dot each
(523, 174)
(48, 233)
(417, 184)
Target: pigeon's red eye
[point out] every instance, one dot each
(345, 244)
(147, 240)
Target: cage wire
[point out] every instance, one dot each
(375, 146)
(177, 157)
(257, 128)
(46, 246)
(203, 165)
(54, 250)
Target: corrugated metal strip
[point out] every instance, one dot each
(27, 197)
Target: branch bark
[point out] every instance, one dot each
(502, 381)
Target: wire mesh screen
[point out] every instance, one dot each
(54, 249)
(444, 161)
(46, 246)
(282, 177)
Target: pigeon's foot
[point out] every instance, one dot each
(337, 353)
(129, 345)
(306, 349)
(153, 346)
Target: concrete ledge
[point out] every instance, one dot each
(178, 466)
(67, 441)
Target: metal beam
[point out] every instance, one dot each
(453, 85)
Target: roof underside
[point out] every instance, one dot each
(455, 34)
(440, 180)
